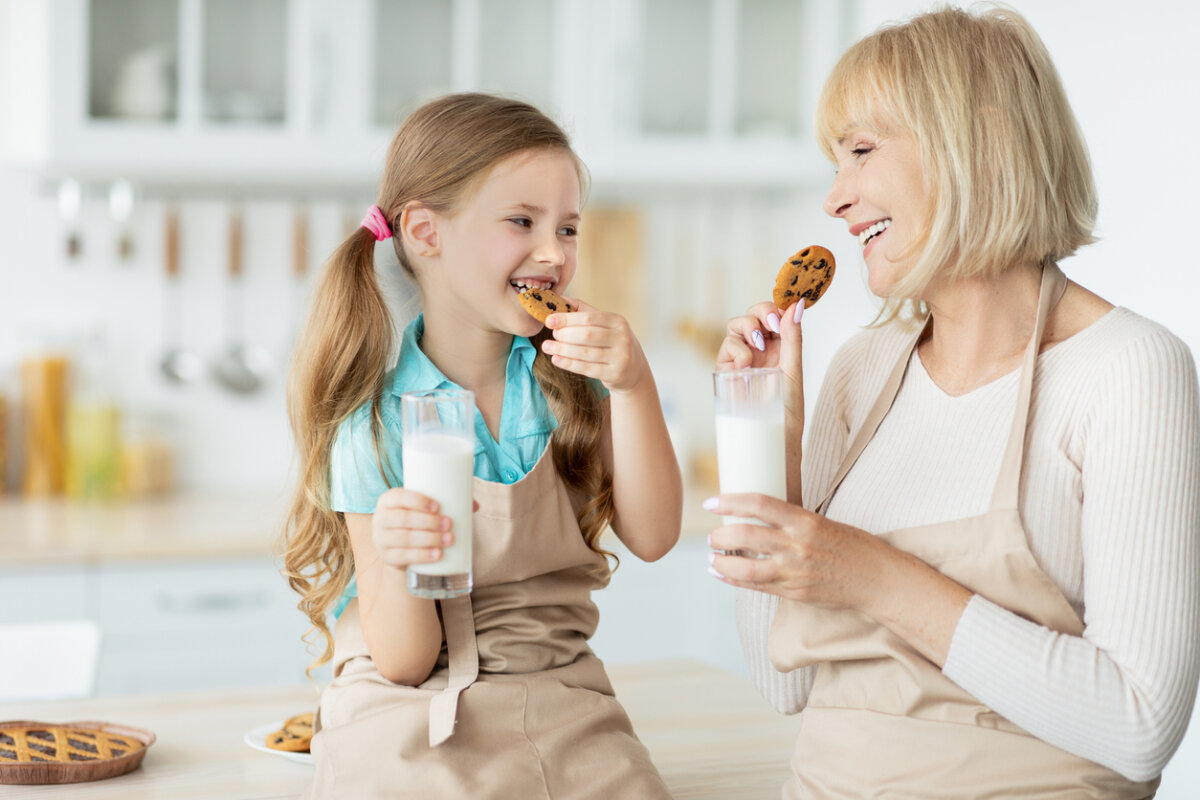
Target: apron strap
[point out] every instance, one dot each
(1008, 484)
(458, 618)
(1005, 495)
(883, 404)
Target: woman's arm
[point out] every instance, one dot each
(1122, 693)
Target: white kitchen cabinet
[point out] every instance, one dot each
(174, 625)
(305, 93)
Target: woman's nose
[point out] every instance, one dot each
(840, 197)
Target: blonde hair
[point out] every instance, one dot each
(1007, 172)
(438, 157)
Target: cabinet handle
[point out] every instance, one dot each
(210, 603)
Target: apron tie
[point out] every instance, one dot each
(458, 618)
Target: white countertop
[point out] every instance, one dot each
(710, 734)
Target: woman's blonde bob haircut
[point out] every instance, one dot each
(1007, 172)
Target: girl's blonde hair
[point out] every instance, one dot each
(441, 153)
(1007, 172)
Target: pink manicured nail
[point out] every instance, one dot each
(716, 574)
(758, 340)
(712, 557)
(799, 312)
(447, 538)
(773, 321)
(710, 504)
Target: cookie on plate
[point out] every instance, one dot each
(295, 735)
(804, 276)
(541, 303)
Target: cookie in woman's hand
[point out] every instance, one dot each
(541, 303)
(804, 276)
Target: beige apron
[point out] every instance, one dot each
(518, 705)
(884, 722)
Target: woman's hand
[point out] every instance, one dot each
(406, 528)
(597, 344)
(765, 337)
(809, 558)
(824, 563)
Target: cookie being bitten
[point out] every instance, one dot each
(806, 275)
(541, 303)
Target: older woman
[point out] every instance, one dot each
(991, 587)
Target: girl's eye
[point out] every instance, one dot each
(568, 230)
(524, 222)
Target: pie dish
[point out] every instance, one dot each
(34, 752)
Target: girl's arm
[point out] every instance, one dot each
(402, 631)
(636, 448)
(647, 487)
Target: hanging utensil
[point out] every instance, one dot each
(243, 367)
(121, 198)
(299, 264)
(178, 365)
(70, 204)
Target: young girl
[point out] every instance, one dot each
(496, 693)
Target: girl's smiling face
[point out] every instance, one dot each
(517, 229)
(880, 192)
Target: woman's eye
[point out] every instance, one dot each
(861, 150)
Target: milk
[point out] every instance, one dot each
(442, 466)
(751, 457)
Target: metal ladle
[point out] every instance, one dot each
(243, 368)
(179, 366)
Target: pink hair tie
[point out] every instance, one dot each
(377, 224)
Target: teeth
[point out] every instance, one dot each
(523, 285)
(874, 230)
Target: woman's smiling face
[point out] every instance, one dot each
(881, 193)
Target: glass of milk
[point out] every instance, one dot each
(750, 436)
(438, 459)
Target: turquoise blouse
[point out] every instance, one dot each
(526, 423)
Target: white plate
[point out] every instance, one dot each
(257, 738)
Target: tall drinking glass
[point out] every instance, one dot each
(751, 454)
(438, 458)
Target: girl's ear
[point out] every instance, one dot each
(418, 226)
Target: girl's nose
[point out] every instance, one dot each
(840, 197)
(549, 250)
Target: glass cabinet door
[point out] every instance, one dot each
(767, 67)
(414, 42)
(518, 50)
(244, 69)
(676, 45)
(133, 59)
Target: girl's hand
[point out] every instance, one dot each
(407, 528)
(597, 344)
(809, 557)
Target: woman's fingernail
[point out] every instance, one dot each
(716, 574)
(447, 538)
(758, 340)
(435, 554)
(773, 321)
(712, 558)
(444, 523)
(799, 312)
(710, 504)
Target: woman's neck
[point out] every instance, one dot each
(980, 328)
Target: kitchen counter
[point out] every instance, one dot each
(708, 731)
(178, 526)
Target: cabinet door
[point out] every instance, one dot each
(176, 626)
(47, 594)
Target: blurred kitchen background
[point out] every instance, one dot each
(173, 174)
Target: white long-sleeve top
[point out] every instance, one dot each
(1110, 499)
